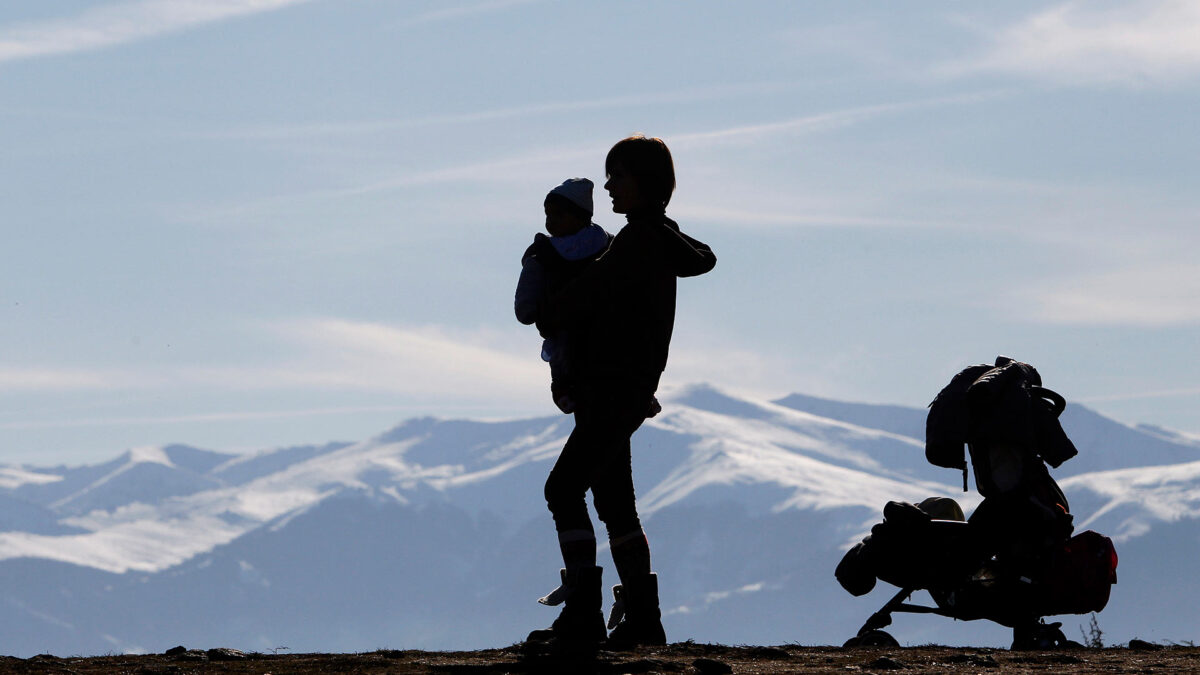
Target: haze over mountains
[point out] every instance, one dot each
(433, 534)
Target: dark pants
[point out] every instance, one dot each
(597, 457)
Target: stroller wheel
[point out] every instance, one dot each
(872, 638)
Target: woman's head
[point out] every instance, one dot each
(646, 165)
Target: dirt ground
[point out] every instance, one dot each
(677, 658)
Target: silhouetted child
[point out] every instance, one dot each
(549, 263)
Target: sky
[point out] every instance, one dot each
(246, 224)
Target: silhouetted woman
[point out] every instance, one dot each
(620, 313)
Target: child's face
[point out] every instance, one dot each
(561, 221)
(624, 191)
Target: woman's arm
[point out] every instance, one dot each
(688, 257)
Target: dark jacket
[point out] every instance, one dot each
(620, 311)
(546, 268)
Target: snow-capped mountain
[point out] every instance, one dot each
(434, 534)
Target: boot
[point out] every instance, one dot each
(581, 619)
(636, 618)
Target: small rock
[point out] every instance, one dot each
(175, 651)
(985, 660)
(712, 667)
(225, 654)
(771, 653)
(886, 663)
(192, 655)
(1142, 645)
(651, 665)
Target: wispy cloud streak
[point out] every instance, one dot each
(1154, 294)
(768, 219)
(1077, 42)
(1142, 395)
(459, 12)
(328, 354)
(538, 161)
(27, 380)
(827, 121)
(642, 100)
(118, 24)
(241, 416)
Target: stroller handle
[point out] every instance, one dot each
(1057, 402)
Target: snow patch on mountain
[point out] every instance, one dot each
(1171, 435)
(146, 545)
(150, 537)
(153, 454)
(13, 477)
(733, 451)
(1133, 500)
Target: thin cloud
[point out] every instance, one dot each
(507, 169)
(518, 168)
(827, 121)
(738, 370)
(368, 127)
(1143, 395)
(119, 24)
(27, 380)
(455, 13)
(333, 355)
(767, 219)
(1076, 42)
(418, 360)
(540, 162)
(240, 416)
(1152, 295)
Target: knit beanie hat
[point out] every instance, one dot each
(578, 191)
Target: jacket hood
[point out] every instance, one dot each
(583, 244)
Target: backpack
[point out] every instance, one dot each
(1006, 418)
(946, 424)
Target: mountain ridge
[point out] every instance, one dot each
(749, 504)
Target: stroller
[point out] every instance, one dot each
(1014, 561)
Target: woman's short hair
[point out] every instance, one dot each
(649, 162)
